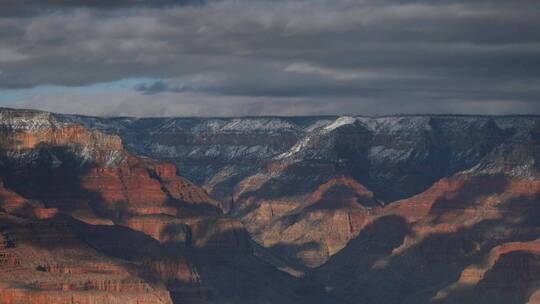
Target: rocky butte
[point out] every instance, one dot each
(395, 209)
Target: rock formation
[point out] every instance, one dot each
(399, 209)
(86, 221)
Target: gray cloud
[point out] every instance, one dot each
(21, 8)
(395, 56)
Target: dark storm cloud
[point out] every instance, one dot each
(355, 54)
(96, 3)
(37, 7)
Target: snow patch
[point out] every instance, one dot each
(382, 154)
(299, 146)
(258, 124)
(344, 120)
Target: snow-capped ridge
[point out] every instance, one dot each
(24, 120)
(341, 121)
(315, 132)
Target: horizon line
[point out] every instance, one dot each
(22, 109)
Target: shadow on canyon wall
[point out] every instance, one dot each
(368, 270)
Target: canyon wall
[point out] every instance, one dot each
(398, 209)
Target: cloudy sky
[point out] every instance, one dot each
(270, 57)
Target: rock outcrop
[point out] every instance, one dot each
(86, 221)
(45, 262)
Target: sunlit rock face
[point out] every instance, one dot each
(400, 209)
(85, 221)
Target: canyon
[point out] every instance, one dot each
(351, 209)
